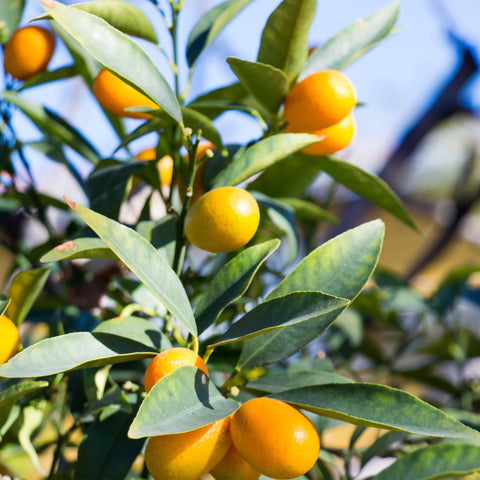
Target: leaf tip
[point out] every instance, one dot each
(70, 203)
(48, 3)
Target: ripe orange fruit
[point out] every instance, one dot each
(115, 95)
(222, 219)
(28, 52)
(189, 455)
(169, 360)
(337, 137)
(275, 438)
(318, 101)
(234, 467)
(165, 165)
(9, 339)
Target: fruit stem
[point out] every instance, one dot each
(229, 382)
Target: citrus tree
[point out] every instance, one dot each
(194, 346)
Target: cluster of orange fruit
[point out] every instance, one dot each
(263, 436)
(322, 104)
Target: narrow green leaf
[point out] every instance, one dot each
(72, 351)
(378, 406)
(49, 76)
(310, 211)
(436, 461)
(144, 261)
(105, 451)
(50, 123)
(367, 185)
(198, 121)
(85, 247)
(210, 25)
(291, 309)
(269, 85)
(340, 267)
(352, 42)
(24, 291)
(262, 155)
(107, 186)
(123, 16)
(4, 301)
(11, 394)
(10, 16)
(231, 282)
(182, 401)
(161, 234)
(278, 382)
(32, 418)
(284, 42)
(118, 53)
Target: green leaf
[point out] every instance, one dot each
(10, 16)
(123, 16)
(210, 25)
(182, 401)
(198, 121)
(32, 418)
(309, 211)
(367, 185)
(162, 234)
(352, 42)
(144, 261)
(84, 247)
(436, 461)
(11, 394)
(49, 76)
(106, 452)
(284, 42)
(340, 267)
(4, 301)
(378, 406)
(269, 85)
(291, 309)
(51, 124)
(72, 351)
(23, 292)
(278, 382)
(231, 282)
(262, 155)
(118, 53)
(107, 186)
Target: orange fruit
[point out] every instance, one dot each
(169, 360)
(28, 52)
(275, 438)
(318, 101)
(9, 339)
(197, 189)
(165, 164)
(115, 95)
(336, 137)
(189, 455)
(222, 219)
(234, 467)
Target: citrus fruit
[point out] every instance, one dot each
(169, 360)
(28, 52)
(318, 101)
(189, 455)
(115, 95)
(9, 339)
(222, 219)
(336, 137)
(275, 438)
(165, 164)
(234, 467)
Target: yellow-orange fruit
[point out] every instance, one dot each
(165, 164)
(337, 137)
(9, 339)
(28, 52)
(169, 360)
(189, 455)
(234, 467)
(275, 438)
(115, 95)
(222, 219)
(318, 101)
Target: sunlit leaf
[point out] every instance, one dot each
(86, 247)
(10, 16)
